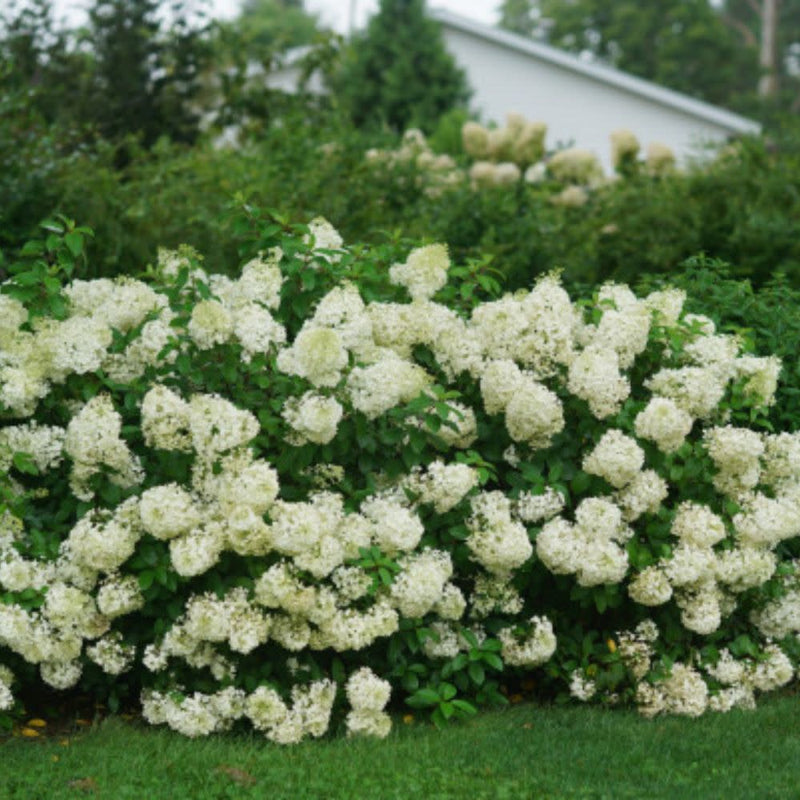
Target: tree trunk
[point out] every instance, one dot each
(768, 83)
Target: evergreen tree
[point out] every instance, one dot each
(145, 78)
(398, 72)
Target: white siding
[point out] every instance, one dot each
(577, 108)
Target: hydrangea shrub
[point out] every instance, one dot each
(348, 478)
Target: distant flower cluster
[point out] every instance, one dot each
(516, 152)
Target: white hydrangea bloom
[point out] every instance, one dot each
(616, 458)
(664, 423)
(313, 417)
(532, 651)
(324, 237)
(460, 429)
(112, 654)
(497, 542)
(210, 324)
(442, 485)
(61, 674)
(700, 607)
(643, 495)
(217, 425)
(534, 508)
(766, 521)
(760, 376)
(697, 525)
(745, 567)
(317, 354)
(683, 692)
(695, 390)
(396, 528)
(666, 305)
(119, 595)
(261, 279)
(594, 376)
(168, 511)
(499, 382)
(420, 584)
(385, 384)
(104, 543)
(256, 330)
(44, 443)
(424, 271)
(165, 420)
(781, 460)
(93, 441)
(366, 691)
(197, 551)
(534, 414)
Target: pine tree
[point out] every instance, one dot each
(398, 72)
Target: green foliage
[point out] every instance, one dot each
(398, 73)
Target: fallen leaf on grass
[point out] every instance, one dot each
(237, 775)
(30, 733)
(37, 723)
(84, 784)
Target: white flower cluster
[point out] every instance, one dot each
(368, 696)
(6, 696)
(591, 548)
(531, 649)
(742, 678)
(424, 271)
(497, 542)
(94, 443)
(682, 692)
(43, 443)
(442, 485)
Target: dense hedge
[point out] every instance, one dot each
(341, 475)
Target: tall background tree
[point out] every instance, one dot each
(682, 44)
(770, 28)
(519, 16)
(147, 66)
(398, 72)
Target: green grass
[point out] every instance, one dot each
(523, 752)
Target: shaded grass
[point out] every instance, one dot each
(523, 752)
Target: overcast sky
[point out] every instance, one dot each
(335, 13)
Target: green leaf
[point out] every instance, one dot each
(146, 579)
(74, 242)
(423, 698)
(493, 660)
(23, 462)
(447, 691)
(476, 673)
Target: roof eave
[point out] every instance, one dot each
(603, 74)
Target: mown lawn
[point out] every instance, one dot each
(523, 752)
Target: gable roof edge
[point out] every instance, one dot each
(602, 73)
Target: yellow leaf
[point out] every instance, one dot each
(408, 719)
(29, 732)
(37, 723)
(612, 645)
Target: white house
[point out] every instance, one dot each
(581, 102)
